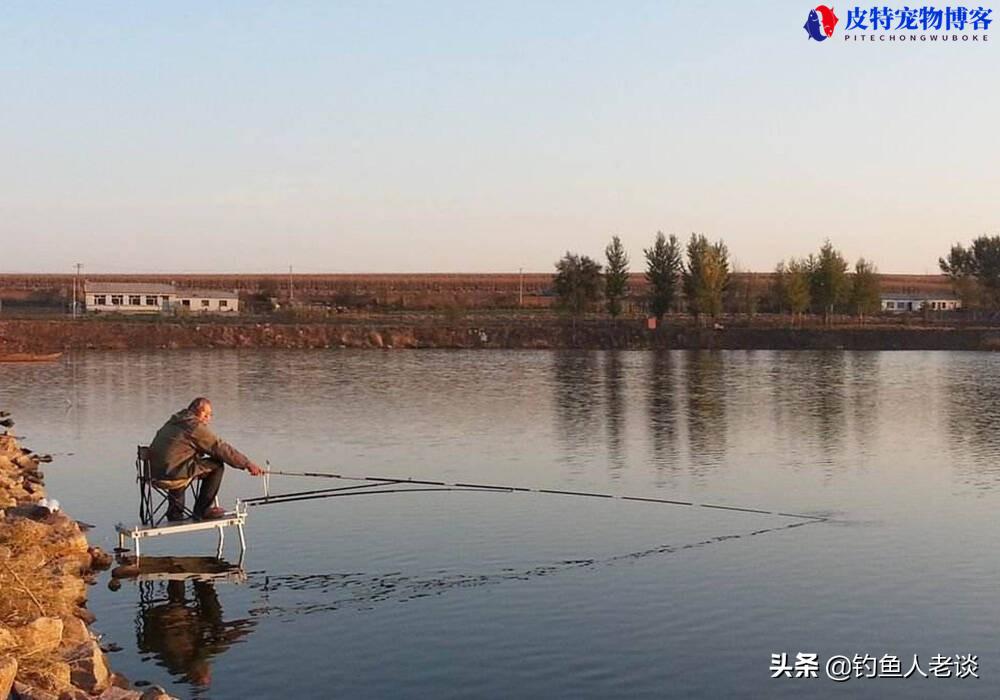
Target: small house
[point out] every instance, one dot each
(212, 301)
(127, 297)
(909, 303)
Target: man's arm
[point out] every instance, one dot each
(209, 442)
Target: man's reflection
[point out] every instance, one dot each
(184, 633)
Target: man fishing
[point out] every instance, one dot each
(185, 449)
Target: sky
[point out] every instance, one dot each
(442, 136)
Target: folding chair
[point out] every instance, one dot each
(154, 496)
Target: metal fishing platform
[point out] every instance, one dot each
(235, 518)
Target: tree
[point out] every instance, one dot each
(706, 276)
(828, 282)
(577, 282)
(865, 293)
(798, 287)
(790, 290)
(615, 276)
(663, 272)
(960, 269)
(975, 272)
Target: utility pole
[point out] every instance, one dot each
(75, 283)
(291, 289)
(520, 287)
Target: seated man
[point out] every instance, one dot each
(185, 449)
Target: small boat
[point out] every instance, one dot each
(30, 357)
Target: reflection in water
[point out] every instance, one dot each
(828, 382)
(973, 402)
(809, 393)
(576, 395)
(706, 409)
(864, 382)
(324, 593)
(180, 624)
(662, 404)
(614, 409)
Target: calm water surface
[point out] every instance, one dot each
(529, 595)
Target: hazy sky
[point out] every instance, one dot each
(479, 136)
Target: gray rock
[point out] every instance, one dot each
(88, 666)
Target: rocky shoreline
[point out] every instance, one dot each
(47, 651)
(486, 332)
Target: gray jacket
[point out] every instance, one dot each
(181, 440)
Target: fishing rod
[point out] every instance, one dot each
(377, 485)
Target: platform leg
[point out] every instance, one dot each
(137, 553)
(243, 541)
(222, 542)
(121, 540)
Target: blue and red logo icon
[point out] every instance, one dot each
(820, 23)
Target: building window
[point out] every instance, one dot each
(134, 300)
(165, 299)
(204, 303)
(223, 304)
(890, 305)
(186, 302)
(150, 301)
(116, 299)
(100, 300)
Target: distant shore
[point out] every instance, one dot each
(485, 331)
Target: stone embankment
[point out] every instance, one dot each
(40, 336)
(47, 651)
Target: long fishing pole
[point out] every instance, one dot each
(372, 483)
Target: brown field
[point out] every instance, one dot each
(426, 291)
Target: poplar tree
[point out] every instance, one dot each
(706, 276)
(828, 282)
(615, 276)
(865, 293)
(663, 273)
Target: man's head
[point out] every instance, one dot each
(201, 409)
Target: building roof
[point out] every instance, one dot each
(206, 294)
(127, 288)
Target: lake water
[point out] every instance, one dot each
(460, 594)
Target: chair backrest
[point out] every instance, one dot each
(142, 461)
(147, 510)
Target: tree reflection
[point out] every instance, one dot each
(576, 396)
(809, 396)
(972, 387)
(662, 402)
(706, 407)
(614, 413)
(865, 398)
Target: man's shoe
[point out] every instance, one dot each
(213, 513)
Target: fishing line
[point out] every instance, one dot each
(372, 484)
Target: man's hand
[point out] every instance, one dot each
(255, 470)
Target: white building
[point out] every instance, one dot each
(208, 301)
(907, 303)
(127, 297)
(147, 298)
